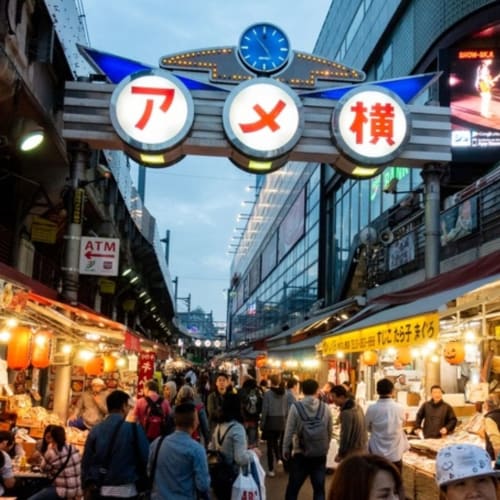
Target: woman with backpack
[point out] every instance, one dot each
(230, 440)
(274, 411)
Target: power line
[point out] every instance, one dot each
(194, 278)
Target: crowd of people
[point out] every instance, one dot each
(163, 441)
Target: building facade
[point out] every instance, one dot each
(367, 237)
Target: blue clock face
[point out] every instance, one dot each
(264, 48)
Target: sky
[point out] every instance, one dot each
(198, 199)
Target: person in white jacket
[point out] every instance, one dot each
(384, 420)
(301, 466)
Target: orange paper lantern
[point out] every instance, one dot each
(109, 364)
(403, 356)
(40, 357)
(454, 352)
(261, 360)
(370, 358)
(94, 366)
(19, 348)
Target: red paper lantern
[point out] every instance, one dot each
(40, 357)
(19, 348)
(94, 366)
(370, 358)
(109, 364)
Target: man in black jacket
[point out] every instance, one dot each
(438, 417)
(353, 432)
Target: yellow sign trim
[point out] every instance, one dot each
(408, 331)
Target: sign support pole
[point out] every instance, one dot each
(431, 173)
(79, 161)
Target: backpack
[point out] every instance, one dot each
(156, 421)
(252, 403)
(313, 436)
(222, 473)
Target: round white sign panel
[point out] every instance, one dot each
(371, 125)
(151, 112)
(263, 118)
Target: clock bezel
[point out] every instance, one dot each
(261, 71)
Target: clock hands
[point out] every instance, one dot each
(263, 45)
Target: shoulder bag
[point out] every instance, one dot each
(92, 490)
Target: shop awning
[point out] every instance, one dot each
(322, 321)
(412, 323)
(303, 347)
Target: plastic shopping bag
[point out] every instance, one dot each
(259, 475)
(245, 488)
(332, 453)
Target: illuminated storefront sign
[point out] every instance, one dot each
(151, 110)
(409, 331)
(262, 118)
(371, 125)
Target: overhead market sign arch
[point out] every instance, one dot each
(260, 104)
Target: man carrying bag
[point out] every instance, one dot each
(110, 463)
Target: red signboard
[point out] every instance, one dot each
(132, 342)
(146, 370)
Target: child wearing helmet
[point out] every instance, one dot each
(464, 471)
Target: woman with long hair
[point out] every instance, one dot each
(230, 439)
(61, 462)
(366, 477)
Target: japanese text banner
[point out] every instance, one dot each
(409, 331)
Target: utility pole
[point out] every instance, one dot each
(432, 174)
(166, 240)
(80, 154)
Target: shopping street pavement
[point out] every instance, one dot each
(276, 486)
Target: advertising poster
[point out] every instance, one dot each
(474, 95)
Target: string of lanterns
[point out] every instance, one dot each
(26, 347)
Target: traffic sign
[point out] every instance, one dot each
(99, 256)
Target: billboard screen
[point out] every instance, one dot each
(474, 99)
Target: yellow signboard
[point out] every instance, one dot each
(43, 230)
(409, 331)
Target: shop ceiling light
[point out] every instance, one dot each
(4, 336)
(12, 322)
(30, 135)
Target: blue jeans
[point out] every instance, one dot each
(302, 467)
(48, 493)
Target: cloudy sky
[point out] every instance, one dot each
(198, 199)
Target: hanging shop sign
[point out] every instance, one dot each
(260, 104)
(152, 111)
(146, 369)
(99, 256)
(408, 331)
(43, 230)
(262, 119)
